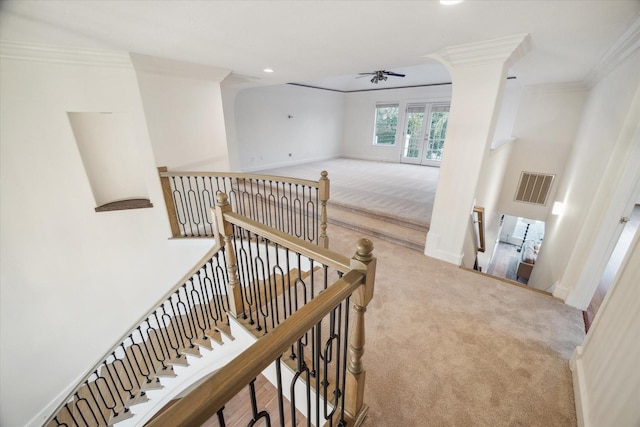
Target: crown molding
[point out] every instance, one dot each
(505, 50)
(627, 45)
(170, 67)
(63, 55)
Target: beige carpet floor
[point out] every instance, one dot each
(446, 346)
(450, 347)
(402, 190)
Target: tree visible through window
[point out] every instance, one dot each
(386, 124)
(437, 132)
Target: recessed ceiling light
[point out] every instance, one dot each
(268, 70)
(450, 2)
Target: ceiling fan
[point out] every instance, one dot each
(380, 75)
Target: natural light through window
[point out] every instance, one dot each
(386, 124)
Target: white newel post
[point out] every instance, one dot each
(478, 72)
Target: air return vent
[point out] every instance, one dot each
(534, 188)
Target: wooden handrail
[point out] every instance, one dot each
(324, 256)
(165, 174)
(479, 223)
(206, 399)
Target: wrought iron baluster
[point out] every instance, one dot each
(221, 421)
(280, 391)
(254, 407)
(147, 374)
(115, 385)
(206, 203)
(164, 332)
(195, 304)
(261, 278)
(277, 278)
(180, 203)
(299, 211)
(130, 384)
(75, 422)
(347, 304)
(109, 390)
(193, 208)
(81, 400)
(300, 371)
(316, 362)
(95, 400)
(246, 279)
(146, 341)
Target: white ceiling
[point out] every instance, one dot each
(327, 43)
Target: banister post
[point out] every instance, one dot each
(225, 234)
(168, 202)
(364, 261)
(323, 195)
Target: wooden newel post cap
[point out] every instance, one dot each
(222, 198)
(324, 174)
(364, 251)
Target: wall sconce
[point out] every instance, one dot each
(558, 208)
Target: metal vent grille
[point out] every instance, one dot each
(534, 188)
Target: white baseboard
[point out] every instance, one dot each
(560, 291)
(579, 389)
(292, 162)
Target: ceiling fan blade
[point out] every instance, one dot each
(366, 74)
(391, 73)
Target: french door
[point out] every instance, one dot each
(424, 132)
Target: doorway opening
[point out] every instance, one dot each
(631, 227)
(519, 240)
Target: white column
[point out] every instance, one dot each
(478, 72)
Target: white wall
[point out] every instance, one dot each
(184, 112)
(357, 138)
(543, 131)
(606, 378)
(280, 125)
(72, 280)
(599, 136)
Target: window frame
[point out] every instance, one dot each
(376, 134)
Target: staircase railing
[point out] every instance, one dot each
(317, 343)
(295, 206)
(184, 320)
(265, 278)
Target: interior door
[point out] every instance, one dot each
(424, 133)
(414, 130)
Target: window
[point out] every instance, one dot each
(437, 132)
(386, 124)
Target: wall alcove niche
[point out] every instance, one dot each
(107, 146)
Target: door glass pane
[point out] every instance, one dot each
(437, 132)
(415, 120)
(386, 123)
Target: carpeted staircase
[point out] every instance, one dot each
(394, 229)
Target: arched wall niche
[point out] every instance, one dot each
(107, 146)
